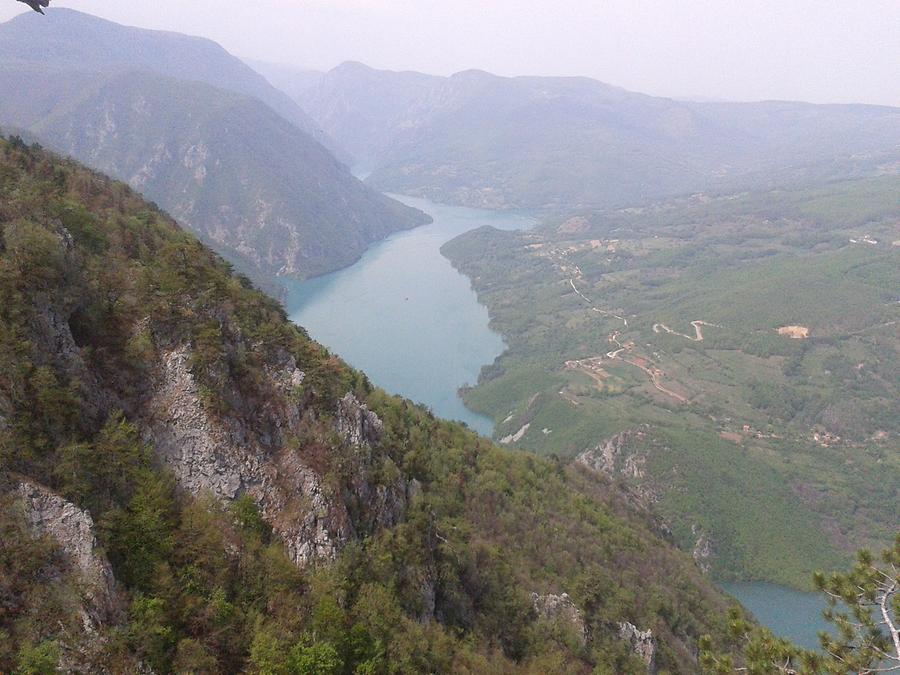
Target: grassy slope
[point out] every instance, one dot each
(775, 507)
(206, 587)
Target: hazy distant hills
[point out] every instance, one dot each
(561, 143)
(68, 39)
(293, 81)
(233, 165)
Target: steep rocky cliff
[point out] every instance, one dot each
(642, 644)
(72, 528)
(78, 593)
(228, 457)
(262, 506)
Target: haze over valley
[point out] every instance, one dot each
(310, 365)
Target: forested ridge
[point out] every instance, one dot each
(412, 545)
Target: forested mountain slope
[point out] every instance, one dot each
(734, 359)
(191, 484)
(566, 143)
(248, 180)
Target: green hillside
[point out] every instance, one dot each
(262, 507)
(770, 455)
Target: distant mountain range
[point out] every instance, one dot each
(225, 152)
(568, 143)
(69, 39)
(293, 81)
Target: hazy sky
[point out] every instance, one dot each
(814, 50)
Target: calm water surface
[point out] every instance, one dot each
(404, 316)
(790, 614)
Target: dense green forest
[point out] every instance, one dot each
(440, 539)
(771, 455)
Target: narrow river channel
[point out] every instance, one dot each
(404, 316)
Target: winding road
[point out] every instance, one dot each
(657, 327)
(596, 309)
(654, 372)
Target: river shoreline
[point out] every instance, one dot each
(414, 324)
(426, 336)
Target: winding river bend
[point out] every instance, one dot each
(404, 316)
(409, 320)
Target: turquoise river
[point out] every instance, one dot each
(409, 320)
(405, 317)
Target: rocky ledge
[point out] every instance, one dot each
(72, 528)
(228, 457)
(560, 608)
(642, 642)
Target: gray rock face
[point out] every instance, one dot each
(72, 528)
(614, 457)
(623, 456)
(643, 644)
(560, 608)
(203, 456)
(356, 424)
(703, 549)
(361, 429)
(228, 457)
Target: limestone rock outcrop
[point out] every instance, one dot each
(72, 528)
(703, 549)
(625, 456)
(560, 608)
(614, 456)
(356, 424)
(642, 643)
(228, 456)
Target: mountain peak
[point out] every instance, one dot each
(474, 74)
(352, 65)
(75, 40)
(65, 18)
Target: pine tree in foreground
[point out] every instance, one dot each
(863, 607)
